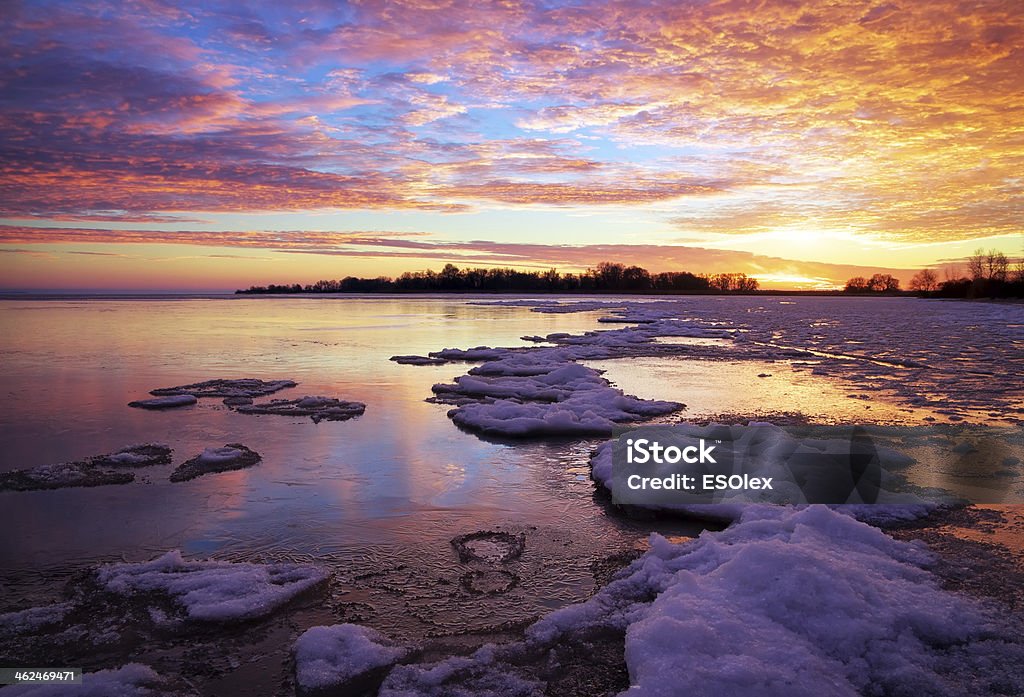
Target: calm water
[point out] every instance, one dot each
(378, 498)
(381, 494)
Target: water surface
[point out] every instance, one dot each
(378, 498)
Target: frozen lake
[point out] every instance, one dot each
(377, 499)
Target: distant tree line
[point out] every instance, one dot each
(607, 277)
(989, 275)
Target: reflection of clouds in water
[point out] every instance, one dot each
(392, 478)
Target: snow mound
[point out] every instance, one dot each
(167, 402)
(131, 680)
(337, 656)
(98, 470)
(232, 456)
(243, 387)
(805, 602)
(795, 464)
(317, 408)
(784, 602)
(213, 591)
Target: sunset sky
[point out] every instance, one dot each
(219, 145)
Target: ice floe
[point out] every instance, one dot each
(33, 618)
(242, 387)
(418, 360)
(167, 402)
(919, 352)
(343, 657)
(213, 591)
(232, 456)
(590, 414)
(479, 353)
(516, 392)
(98, 470)
(539, 395)
(317, 408)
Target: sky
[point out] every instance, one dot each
(210, 145)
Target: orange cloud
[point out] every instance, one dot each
(728, 117)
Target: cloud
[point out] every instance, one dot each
(883, 119)
(593, 193)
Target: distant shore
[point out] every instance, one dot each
(588, 293)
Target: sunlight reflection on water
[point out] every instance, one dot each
(386, 490)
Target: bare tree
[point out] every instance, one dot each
(996, 266)
(976, 264)
(924, 280)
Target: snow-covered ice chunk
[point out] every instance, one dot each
(33, 618)
(213, 591)
(477, 676)
(343, 655)
(172, 401)
(418, 360)
(594, 413)
(522, 398)
(232, 456)
(98, 470)
(131, 680)
(141, 455)
(242, 387)
(479, 353)
(804, 602)
(60, 475)
(317, 408)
